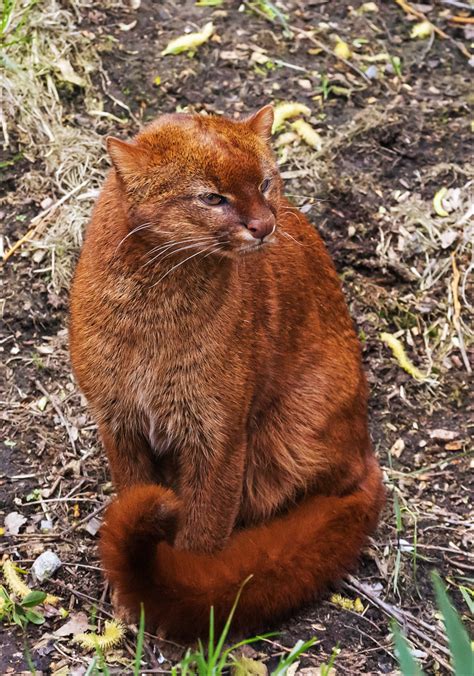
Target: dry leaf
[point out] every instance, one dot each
(93, 525)
(291, 671)
(13, 522)
(68, 74)
(453, 446)
(397, 448)
(77, 623)
(125, 27)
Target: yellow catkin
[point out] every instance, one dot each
(422, 30)
(348, 604)
(308, 134)
(18, 586)
(399, 353)
(342, 50)
(190, 42)
(112, 636)
(286, 110)
(13, 580)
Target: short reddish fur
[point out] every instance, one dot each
(228, 390)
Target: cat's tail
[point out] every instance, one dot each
(291, 559)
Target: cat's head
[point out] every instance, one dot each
(201, 181)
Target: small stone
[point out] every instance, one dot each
(372, 72)
(45, 565)
(46, 203)
(443, 435)
(305, 84)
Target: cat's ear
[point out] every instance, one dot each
(261, 122)
(127, 158)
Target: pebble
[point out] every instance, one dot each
(45, 565)
(372, 72)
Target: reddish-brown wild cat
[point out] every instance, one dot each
(211, 338)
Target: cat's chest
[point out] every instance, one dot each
(180, 394)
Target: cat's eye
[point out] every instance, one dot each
(265, 185)
(213, 199)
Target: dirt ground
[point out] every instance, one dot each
(394, 128)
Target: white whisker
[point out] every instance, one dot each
(218, 246)
(142, 226)
(179, 264)
(166, 247)
(184, 248)
(179, 241)
(288, 236)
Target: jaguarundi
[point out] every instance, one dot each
(211, 338)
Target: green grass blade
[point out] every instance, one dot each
(460, 646)
(28, 658)
(101, 666)
(140, 638)
(292, 656)
(92, 667)
(408, 665)
(325, 669)
(210, 650)
(466, 594)
(246, 641)
(225, 631)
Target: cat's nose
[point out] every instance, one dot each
(261, 227)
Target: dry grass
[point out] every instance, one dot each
(438, 252)
(47, 59)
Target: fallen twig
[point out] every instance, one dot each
(403, 617)
(462, 19)
(456, 3)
